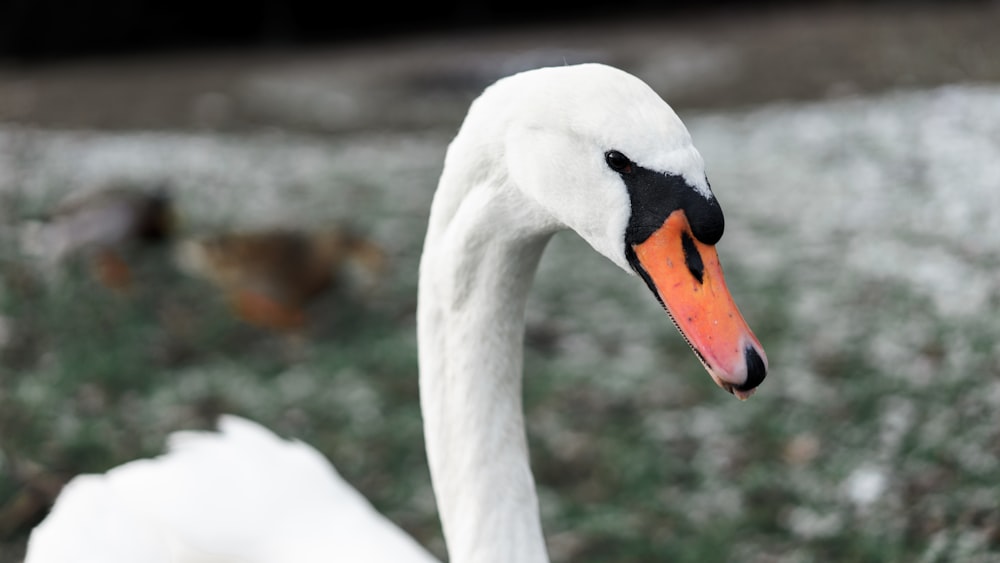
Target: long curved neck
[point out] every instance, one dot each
(479, 260)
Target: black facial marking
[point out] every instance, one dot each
(756, 370)
(692, 257)
(633, 261)
(655, 195)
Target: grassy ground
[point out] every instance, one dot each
(860, 245)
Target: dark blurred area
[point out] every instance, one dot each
(39, 30)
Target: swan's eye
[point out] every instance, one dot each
(618, 162)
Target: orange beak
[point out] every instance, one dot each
(687, 277)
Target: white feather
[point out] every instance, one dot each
(239, 495)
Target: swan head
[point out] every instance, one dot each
(596, 150)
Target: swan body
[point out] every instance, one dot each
(589, 148)
(241, 494)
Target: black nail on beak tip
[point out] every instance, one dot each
(756, 370)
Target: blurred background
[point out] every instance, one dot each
(221, 210)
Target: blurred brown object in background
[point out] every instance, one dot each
(104, 226)
(269, 277)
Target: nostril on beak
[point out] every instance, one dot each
(756, 370)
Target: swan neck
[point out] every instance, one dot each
(477, 267)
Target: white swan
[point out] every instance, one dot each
(589, 148)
